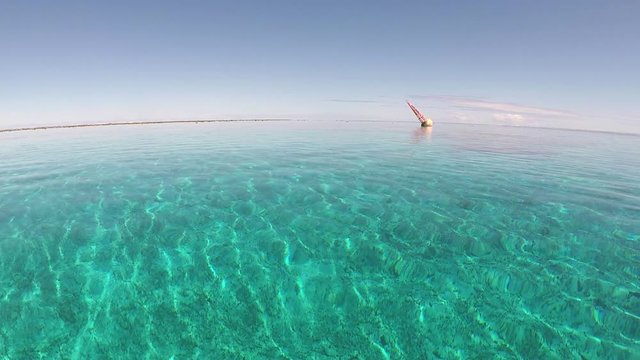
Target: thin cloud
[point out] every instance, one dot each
(516, 118)
(354, 101)
(480, 104)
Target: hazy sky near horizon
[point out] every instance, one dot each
(569, 64)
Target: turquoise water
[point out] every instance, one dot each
(319, 241)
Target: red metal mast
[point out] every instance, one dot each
(421, 117)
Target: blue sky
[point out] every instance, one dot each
(569, 64)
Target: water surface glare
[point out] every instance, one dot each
(319, 241)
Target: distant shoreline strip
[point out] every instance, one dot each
(70, 126)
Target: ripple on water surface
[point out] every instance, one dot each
(306, 241)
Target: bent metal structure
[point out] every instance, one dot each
(424, 121)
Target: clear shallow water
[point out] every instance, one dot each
(302, 240)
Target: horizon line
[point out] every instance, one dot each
(196, 121)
